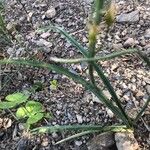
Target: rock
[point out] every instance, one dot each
(147, 49)
(50, 13)
(10, 51)
(78, 143)
(110, 113)
(139, 94)
(118, 46)
(43, 42)
(10, 27)
(148, 89)
(95, 99)
(126, 141)
(45, 35)
(45, 142)
(130, 42)
(107, 94)
(79, 118)
(101, 142)
(147, 34)
(29, 17)
(58, 20)
(131, 17)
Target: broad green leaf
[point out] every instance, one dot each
(33, 107)
(21, 113)
(17, 98)
(6, 105)
(35, 118)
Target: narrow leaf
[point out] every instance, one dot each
(104, 58)
(76, 136)
(57, 128)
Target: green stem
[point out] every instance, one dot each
(99, 4)
(92, 36)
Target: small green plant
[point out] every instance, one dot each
(27, 109)
(53, 85)
(33, 111)
(115, 105)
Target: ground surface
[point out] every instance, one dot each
(70, 103)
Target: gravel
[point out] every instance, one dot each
(70, 103)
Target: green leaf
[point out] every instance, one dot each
(21, 113)
(53, 85)
(6, 105)
(104, 58)
(35, 118)
(30, 109)
(33, 107)
(57, 128)
(17, 98)
(76, 136)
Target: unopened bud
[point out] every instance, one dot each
(92, 32)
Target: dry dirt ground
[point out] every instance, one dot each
(70, 103)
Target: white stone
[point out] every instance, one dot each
(131, 17)
(126, 141)
(96, 99)
(79, 118)
(129, 42)
(43, 42)
(110, 113)
(78, 143)
(45, 35)
(147, 34)
(50, 13)
(148, 89)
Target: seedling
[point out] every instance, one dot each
(53, 85)
(29, 110)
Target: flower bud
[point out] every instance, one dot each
(110, 14)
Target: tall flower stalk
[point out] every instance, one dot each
(93, 31)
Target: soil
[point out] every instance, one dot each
(70, 103)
